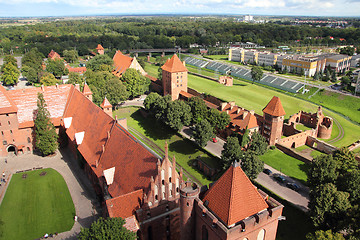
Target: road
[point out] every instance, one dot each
(299, 199)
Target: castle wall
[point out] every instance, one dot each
(325, 128)
(320, 145)
(297, 140)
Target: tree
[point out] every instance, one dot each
(100, 63)
(345, 81)
(30, 74)
(116, 91)
(218, 120)
(198, 109)
(258, 144)
(256, 73)
(70, 55)
(150, 101)
(347, 50)
(45, 134)
(251, 164)
(48, 79)
(57, 67)
(316, 76)
(231, 152)
(8, 59)
(75, 78)
(104, 229)
(136, 84)
(10, 75)
(178, 114)
(326, 78)
(203, 132)
(322, 170)
(345, 160)
(160, 73)
(324, 235)
(333, 76)
(245, 138)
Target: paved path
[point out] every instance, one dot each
(299, 199)
(86, 205)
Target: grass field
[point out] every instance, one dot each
(184, 150)
(36, 205)
(288, 165)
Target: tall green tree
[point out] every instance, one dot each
(100, 63)
(256, 73)
(8, 59)
(323, 169)
(198, 109)
(30, 74)
(48, 79)
(178, 114)
(76, 78)
(251, 164)
(10, 75)
(231, 152)
(136, 84)
(203, 132)
(258, 144)
(57, 67)
(245, 138)
(150, 101)
(71, 55)
(324, 235)
(45, 134)
(105, 229)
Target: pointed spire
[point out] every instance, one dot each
(166, 149)
(106, 103)
(274, 107)
(86, 90)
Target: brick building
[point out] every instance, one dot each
(174, 77)
(100, 49)
(123, 62)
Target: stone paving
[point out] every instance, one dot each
(87, 206)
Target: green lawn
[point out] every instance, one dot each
(218, 57)
(302, 127)
(36, 205)
(288, 165)
(151, 69)
(184, 150)
(255, 97)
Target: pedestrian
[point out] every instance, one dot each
(3, 174)
(5, 160)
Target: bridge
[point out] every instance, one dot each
(162, 51)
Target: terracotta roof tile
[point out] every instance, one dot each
(54, 55)
(125, 205)
(174, 65)
(6, 103)
(99, 47)
(237, 117)
(233, 197)
(80, 70)
(121, 63)
(26, 101)
(131, 224)
(274, 107)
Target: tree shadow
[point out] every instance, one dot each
(239, 84)
(182, 147)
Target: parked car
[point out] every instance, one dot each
(214, 140)
(267, 171)
(280, 178)
(293, 186)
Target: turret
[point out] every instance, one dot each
(188, 193)
(87, 92)
(107, 107)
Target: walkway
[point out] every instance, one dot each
(86, 205)
(299, 199)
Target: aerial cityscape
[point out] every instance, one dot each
(206, 120)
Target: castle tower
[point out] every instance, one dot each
(273, 120)
(107, 107)
(100, 49)
(87, 92)
(188, 193)
(174, 77)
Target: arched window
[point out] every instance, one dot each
(261, 235)
(29, 140)
(204, 233)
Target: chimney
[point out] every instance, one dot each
(252, 112)
(227, 111)
(232, 104)
(238, 110)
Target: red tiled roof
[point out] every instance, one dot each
(125, 205)
(237, 117)
(76, 69)
(26, 102)
(274, 107)
(131, 224)
(174, 65)
(121, 63)
(99, 47)
(134, 164)
(6, 103)
(105, 103)
(233, 197)
(54, 55)
(86, 90)
(186, 94)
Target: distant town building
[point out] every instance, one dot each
(100, 49)
(248, 18)
(226, 80)
(53, 55)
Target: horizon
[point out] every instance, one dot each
(281, 8)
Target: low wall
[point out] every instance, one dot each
(320, 145)
(206, 169)
(296, 140)
(293, 153)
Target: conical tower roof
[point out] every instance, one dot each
(274, 107)
(86, 90)
(105, 103)
(233, 197)
(174, 65)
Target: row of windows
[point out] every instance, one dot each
(8, 123)
(205, 234)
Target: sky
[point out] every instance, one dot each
(34, 8)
